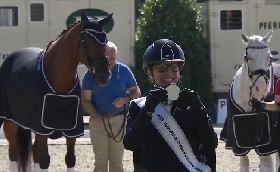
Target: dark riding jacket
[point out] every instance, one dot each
(155, 154)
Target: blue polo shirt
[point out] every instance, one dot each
(102, 97)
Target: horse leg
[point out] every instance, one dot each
(10, 131)
(41, 154)
(266, 164)
(244, 163)
(36, 156)
(277, 164)
(70, 158)
(19, 146)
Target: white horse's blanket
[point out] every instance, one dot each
(27, 99)
(243, 132)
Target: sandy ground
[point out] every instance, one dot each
(226, 162)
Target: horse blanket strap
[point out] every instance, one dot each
(174, 136)
(271, 80)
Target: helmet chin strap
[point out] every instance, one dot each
(156, 86)
(152, 78)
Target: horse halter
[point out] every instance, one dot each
(92, 61)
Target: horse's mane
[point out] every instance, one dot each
(63, 32)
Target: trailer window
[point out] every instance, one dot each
(231, 19)
(37, 12)
(8, 16)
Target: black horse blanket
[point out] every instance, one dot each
(245, 131)
(27, 99)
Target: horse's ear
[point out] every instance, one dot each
(267, 37)
(105, 20)
(84, 17)
(245, 38)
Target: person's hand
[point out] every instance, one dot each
(190, 98)
(98, 120)
(154, 98)
(119, 102)
(257, 104)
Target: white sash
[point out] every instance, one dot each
(176, 139)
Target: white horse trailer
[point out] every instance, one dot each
(34, 23)
(224, 21)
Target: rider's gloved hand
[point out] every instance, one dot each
(154, 98)
(257, 104)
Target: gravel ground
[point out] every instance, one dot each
(226, 162)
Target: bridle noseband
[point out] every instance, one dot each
(91, 61)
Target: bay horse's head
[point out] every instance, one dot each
(93, 39)
(257, 61)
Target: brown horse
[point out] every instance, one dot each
(40, 93)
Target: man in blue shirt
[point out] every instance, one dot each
(106, 107)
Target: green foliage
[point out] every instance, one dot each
(138, 5)
(180, 21)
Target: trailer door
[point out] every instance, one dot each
(229, 20)
(38, 23)
(12, 26)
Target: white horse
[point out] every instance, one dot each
(241, 128)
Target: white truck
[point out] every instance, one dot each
(224, 21)
(34, 23)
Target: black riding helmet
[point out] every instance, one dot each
(162, 50)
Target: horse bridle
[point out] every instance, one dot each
(91, 61)
(259, 73)
(91, 68)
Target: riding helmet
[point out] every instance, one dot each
(162, 50)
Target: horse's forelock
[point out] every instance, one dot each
(256, 47)
(257, 40)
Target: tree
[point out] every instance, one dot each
(138, 5)
(180, 21)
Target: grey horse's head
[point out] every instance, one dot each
(257, 61)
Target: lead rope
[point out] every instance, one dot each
(259, 133)
(111, 130)
(122, 128)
